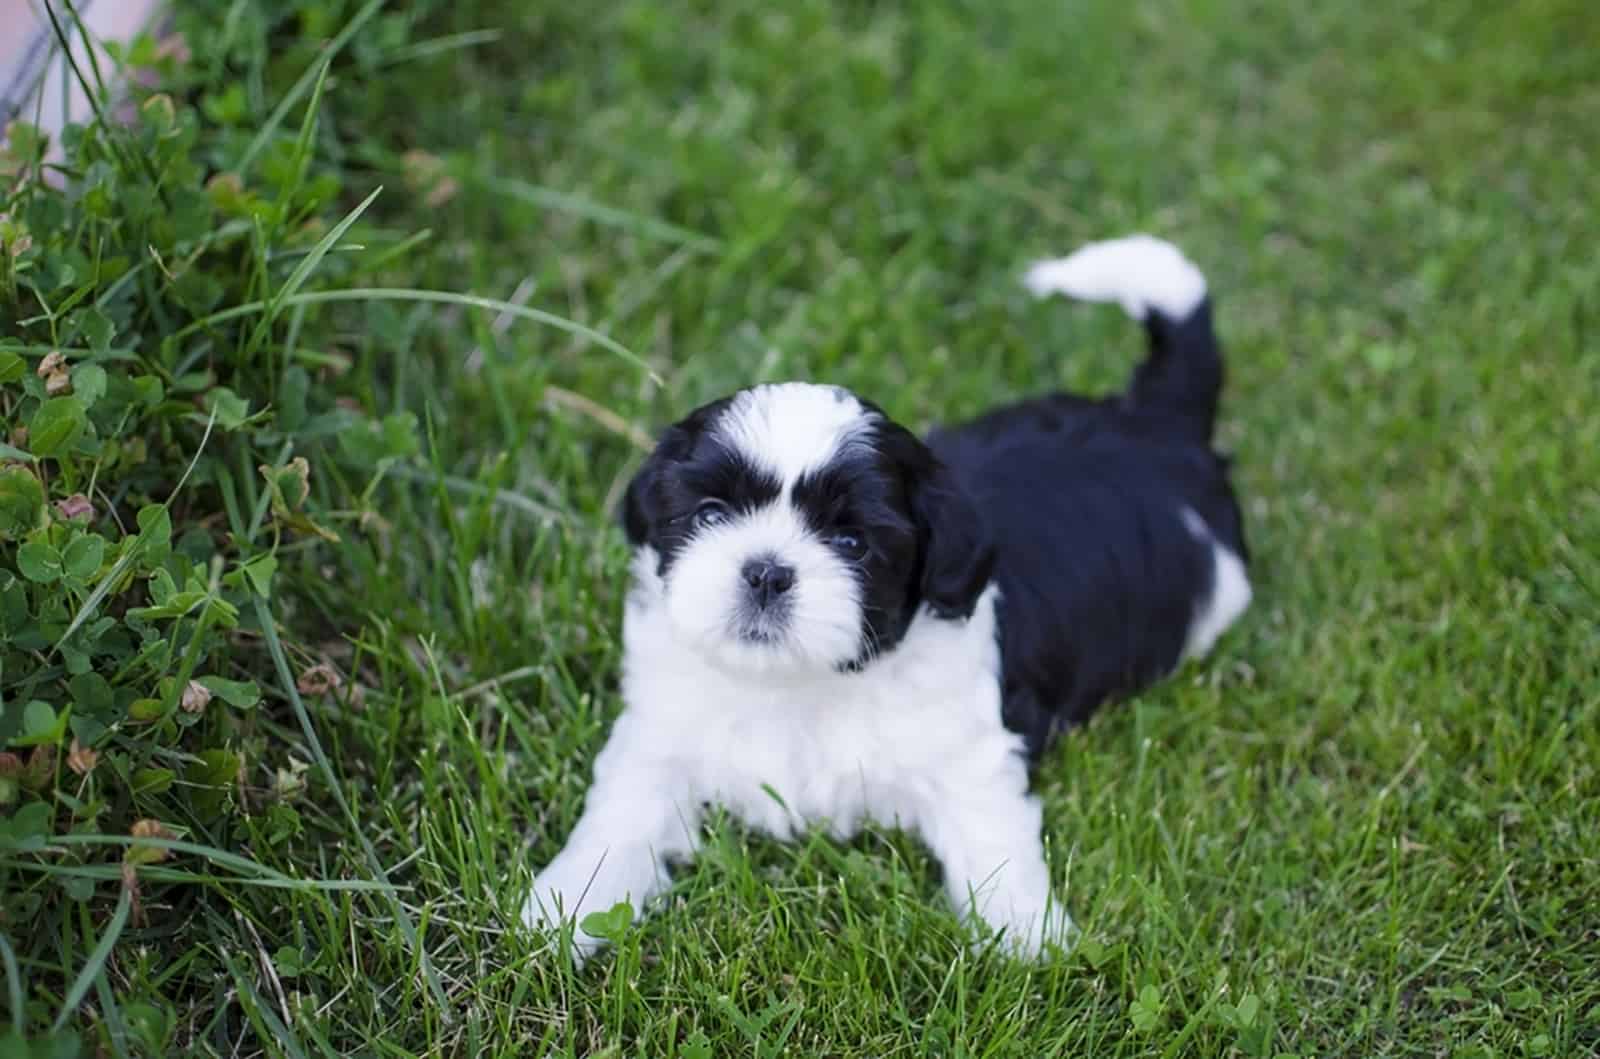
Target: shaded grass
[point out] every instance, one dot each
(1374, 809)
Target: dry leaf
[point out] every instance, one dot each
(148, 854)
(229, 182)
(195, 697)
(291, 781)
(425, 172)
(442, 192)
(299, 470)
(318, 680)
(58, 384)
(81, 759)
(40, 769)
(53, 362)
(17, 243)
(420, 168)
(130, 883)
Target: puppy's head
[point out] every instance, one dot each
(795, 527)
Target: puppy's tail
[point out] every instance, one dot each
(1156, 285)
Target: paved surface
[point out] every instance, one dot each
(28, 58)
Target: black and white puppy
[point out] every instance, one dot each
(832, 620)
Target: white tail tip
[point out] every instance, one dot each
(1139, 272)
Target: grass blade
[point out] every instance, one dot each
(308, 129)
(116, 1026)
(13, 983)
(97, 960)
(280, 661)
(155, 873)
(64, 40)
(96, 597)
(308, 264)
(222, 858)
(611, 216)
(439, 45)
(88, 47)
(408, 294)
(303, 270)
(256, 1009)
(269, 128)
(498, 497)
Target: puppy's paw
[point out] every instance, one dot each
(555, 904)
(1031, 930)
(542, 910)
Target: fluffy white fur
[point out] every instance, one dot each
(823, 625)
(788, 429)
(1138, 272)
(793, 427)
(777, 736)
(915, 741)
(1230, 592)
(776, 732)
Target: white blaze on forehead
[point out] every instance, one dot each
(792, 427)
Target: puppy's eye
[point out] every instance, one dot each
(711, 513)
(849, 545)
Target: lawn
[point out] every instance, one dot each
(1368, 824)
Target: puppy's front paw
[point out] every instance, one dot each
(1035, 938)
(1030, 930)
(556, 901)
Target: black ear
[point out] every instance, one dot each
(636, 503)
(957, 555)
(641, 503)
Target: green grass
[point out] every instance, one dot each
(1368, 825)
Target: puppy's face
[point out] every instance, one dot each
(796, 528)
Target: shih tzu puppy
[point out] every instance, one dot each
(832, 620)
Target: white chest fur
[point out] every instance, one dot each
(913, 739)
(881, 743)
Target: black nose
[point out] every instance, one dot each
(767, 578)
